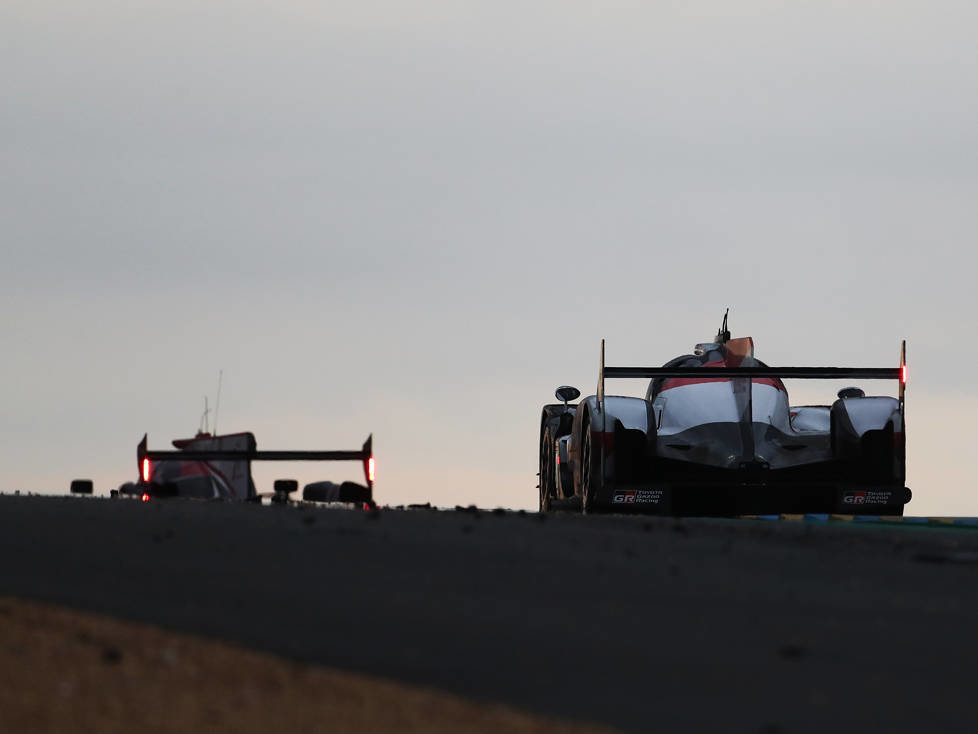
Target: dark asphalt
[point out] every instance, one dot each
(645, 624)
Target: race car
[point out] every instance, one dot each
(715, 435)
(219, 467)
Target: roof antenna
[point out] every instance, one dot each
(723, 336)
(217, 408)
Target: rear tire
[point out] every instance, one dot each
(587, 471)
(548, 476)
(557, 421)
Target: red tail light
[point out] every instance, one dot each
(146, 469)
(370, 468)
(903, 373)
(145, 498)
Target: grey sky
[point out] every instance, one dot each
(417, 219)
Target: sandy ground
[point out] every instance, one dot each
(66, 671)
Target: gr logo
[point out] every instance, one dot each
(854, 498)
(637, 497)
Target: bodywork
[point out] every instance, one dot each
(201, 478)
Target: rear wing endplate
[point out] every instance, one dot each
(364, 455)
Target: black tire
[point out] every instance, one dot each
(81, 486)
(556, 421)
(355, 493)
(548, 469)
(321, 492)
(587, 470)
(586, 492)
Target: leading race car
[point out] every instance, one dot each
(715, 435)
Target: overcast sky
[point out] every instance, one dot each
(417, 219)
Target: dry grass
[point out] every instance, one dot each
(67, 671)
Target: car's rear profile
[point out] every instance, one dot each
(219, 468)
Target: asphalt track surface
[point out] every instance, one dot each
(646, 624)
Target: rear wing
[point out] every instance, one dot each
(827, 373)
(365, 455)
(725, 373)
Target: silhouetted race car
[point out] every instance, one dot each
(219, 467)
(715, 435)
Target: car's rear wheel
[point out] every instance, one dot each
(548, 478)
(587, 471)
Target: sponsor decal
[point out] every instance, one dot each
(867, 497)
(638, 497)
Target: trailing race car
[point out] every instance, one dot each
(715, 435)
(219, 467)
